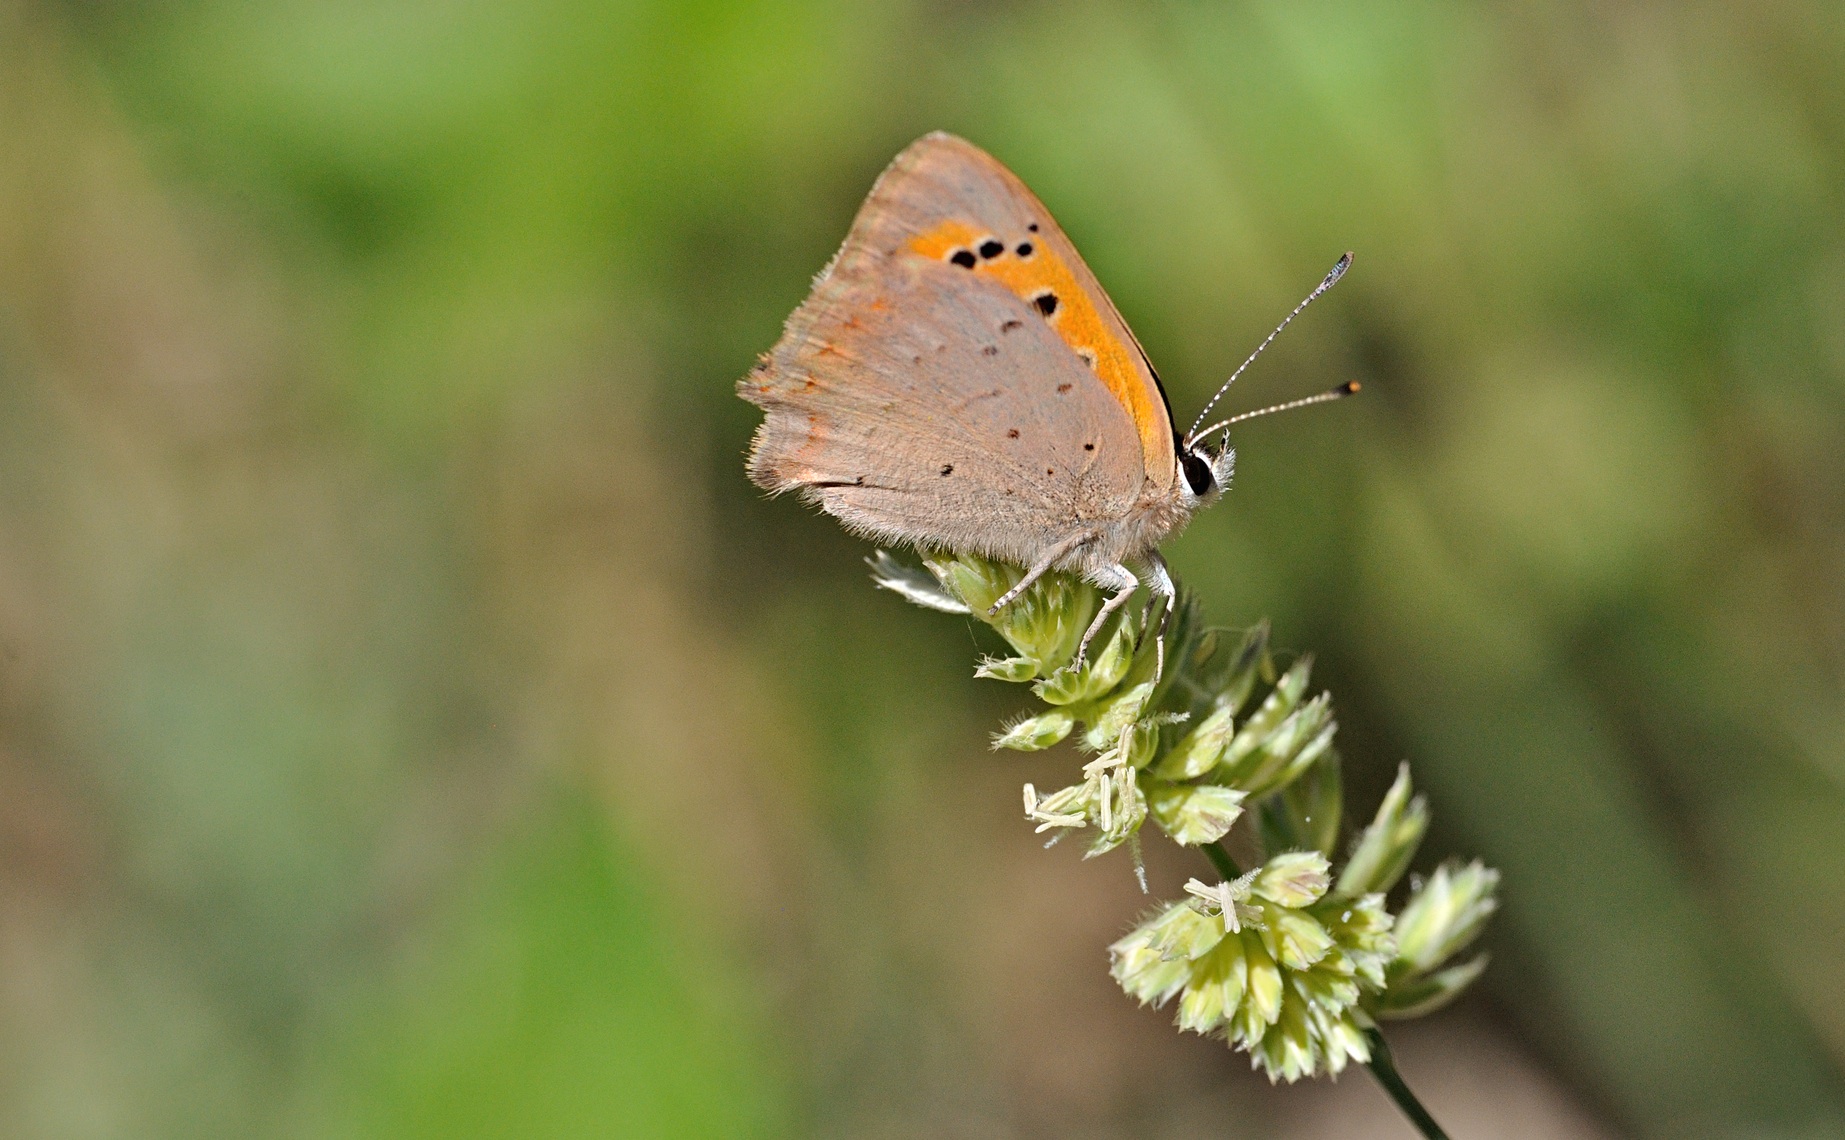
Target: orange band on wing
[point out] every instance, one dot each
(1072, 314)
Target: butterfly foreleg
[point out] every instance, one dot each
(1039, 568)
(1159, 590)
(1119, 579)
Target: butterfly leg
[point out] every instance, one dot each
(1049, 559)
(1119, 579)
(1159, 589)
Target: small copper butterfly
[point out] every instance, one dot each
(958, 380)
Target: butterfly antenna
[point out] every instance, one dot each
(1348, 388)
(1332, 279)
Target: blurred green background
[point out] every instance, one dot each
(413, 724)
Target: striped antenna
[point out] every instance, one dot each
(1341, 392)
(1332, 279)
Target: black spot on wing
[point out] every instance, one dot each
(1046, 302)
(963, 257)
(992, 248)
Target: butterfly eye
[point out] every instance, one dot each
(1198, 474)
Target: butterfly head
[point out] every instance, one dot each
(1204, 475)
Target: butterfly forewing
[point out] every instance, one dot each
(956, 378)
(945, 199)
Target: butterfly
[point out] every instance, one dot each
(958, 380)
